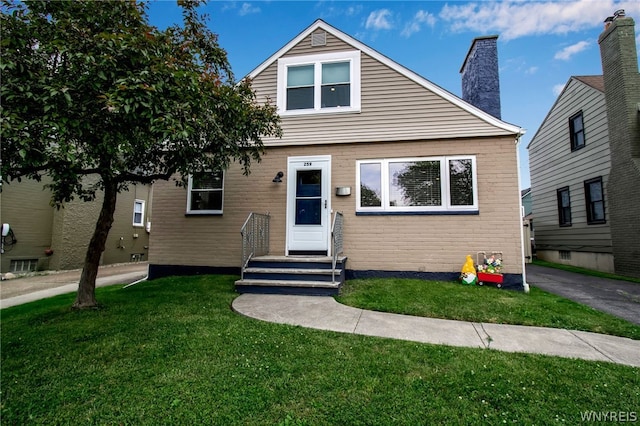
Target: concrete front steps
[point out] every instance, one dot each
(298, 275)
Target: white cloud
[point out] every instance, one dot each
(566, 53)
(247, 9)
(379, 20)
(415, 25)
(531, 70)
(558, 88)
(514, 18)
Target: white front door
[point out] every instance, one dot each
(308, 204)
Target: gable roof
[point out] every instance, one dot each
(594, 81)
(320, 24)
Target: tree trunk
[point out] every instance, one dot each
(86, 297)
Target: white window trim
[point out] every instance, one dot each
(189, 192)
(353, 57)
(444, 188)
(141, 223)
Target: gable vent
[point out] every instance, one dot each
(319, 39)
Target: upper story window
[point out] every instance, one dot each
(594, 195)
(138, 213)
(426, 184)
(205, 193)
(326, 83)
(576, 131)
(564, 206)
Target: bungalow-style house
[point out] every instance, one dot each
(41, 237)
(585, 164)
(379, 172)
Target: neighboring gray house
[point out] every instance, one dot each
(584, 163)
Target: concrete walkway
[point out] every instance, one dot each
(30, 288)
(324, 313)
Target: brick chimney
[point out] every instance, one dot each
(480, 79)
(622, 95)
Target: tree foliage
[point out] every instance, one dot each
(92, 89)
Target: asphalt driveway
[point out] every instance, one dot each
(619, 298)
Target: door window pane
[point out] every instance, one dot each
(308, 211)
(308, 197)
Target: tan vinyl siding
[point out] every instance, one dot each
(393, 107)
(436, 243)
(553, 166)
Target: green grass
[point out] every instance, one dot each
(455, 301)
(585, 271)
(171, 351)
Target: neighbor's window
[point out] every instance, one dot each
(594, 196)
(319, 83)
(576, 130)
(436, 184)
(564, 206)
(138, 213)
(205, 193)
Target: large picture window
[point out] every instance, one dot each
(576, 130)
(205, 193)
(594, 196)
(433, 184)
(324, 83)
(564, 206)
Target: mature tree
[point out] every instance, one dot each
(92, 89)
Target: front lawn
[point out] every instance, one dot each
(455, 301)
(171, 351)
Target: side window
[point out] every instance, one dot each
(138, 213)
(564, 207)
(576, 131)
(594, 196)
(205, 193)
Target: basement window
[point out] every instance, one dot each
(23, 265)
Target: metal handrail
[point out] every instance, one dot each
(336, 241)
(255, 238)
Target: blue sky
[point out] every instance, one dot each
(540, 45)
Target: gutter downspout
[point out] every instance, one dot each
(524, 271)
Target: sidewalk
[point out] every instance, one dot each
(324, 313)
(21, 290)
